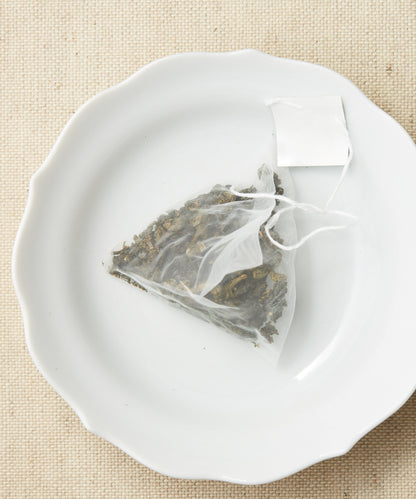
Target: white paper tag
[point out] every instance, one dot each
(310, 131)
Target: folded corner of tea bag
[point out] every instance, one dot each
(310, 131)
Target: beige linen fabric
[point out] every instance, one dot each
(57, 54)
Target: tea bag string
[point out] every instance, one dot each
(311, 208)
(292, 206)
(308, 208)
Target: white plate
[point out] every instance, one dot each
(175, 393)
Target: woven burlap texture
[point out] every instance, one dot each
(56, 55)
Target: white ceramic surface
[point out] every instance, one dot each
(175, 393)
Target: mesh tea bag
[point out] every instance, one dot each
(215, 258)
(227, 256)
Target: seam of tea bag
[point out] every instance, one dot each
(155, 287)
